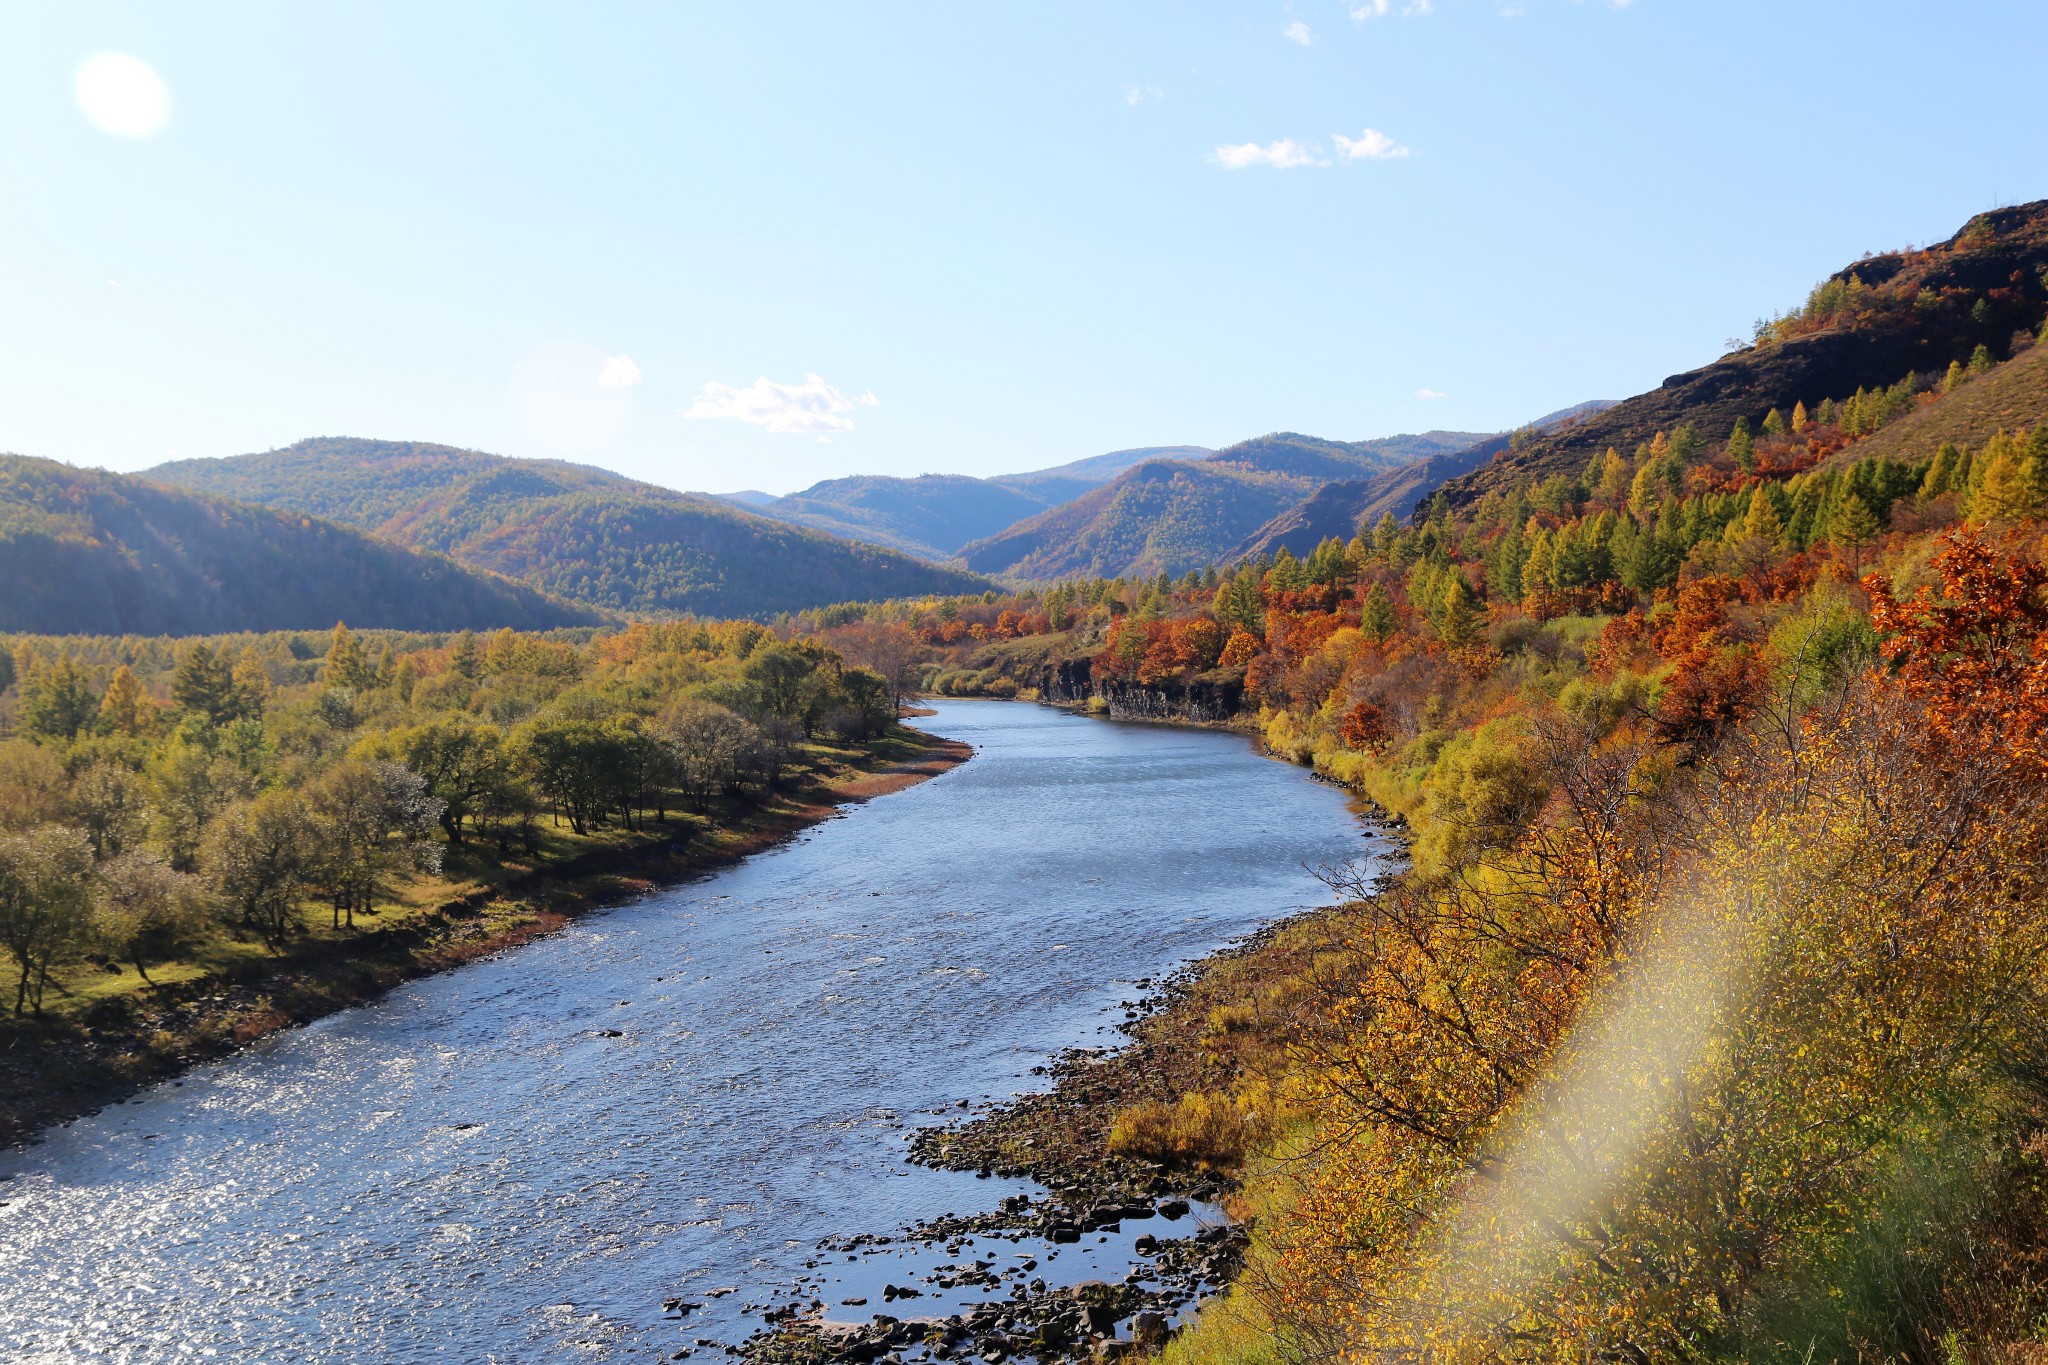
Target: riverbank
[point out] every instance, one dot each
(1217, 1026)
(56, 1070)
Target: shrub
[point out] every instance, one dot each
(1203, 1130)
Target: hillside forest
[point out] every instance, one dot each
(180, 811)
(1706, 1021)
(1704, 1018)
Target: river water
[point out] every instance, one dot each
(522, 1159)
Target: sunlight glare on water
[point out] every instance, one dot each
(475, 1168)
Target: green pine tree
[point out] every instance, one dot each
(1376, 616)
(1742, 447)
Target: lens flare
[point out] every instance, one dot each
(122, 95)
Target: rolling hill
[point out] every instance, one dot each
(1338, 509)
(1866, 326)
(579, 532)
(83, 551)
(1315, 460)
(1065, 482)
(1175, 515)
(934, 515)
(1162, 516)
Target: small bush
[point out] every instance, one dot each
(1203, 1130)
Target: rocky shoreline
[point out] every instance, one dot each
(53, 1076)
(1191, 1243)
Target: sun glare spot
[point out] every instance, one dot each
(122, 95)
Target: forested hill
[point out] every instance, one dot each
(580, 532)
(1170, 516)
(1904, 315)
(1161, 517)
(1339, 508)
(83, 551)
(934, 515)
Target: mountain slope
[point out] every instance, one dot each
(1176, 515)
(582, 532)
(933, 515)
(1865, 326)
(2012, 396)
(1340, 508)
(1162, 516)
(83, 551)
(1065, 482)
(1313, 458)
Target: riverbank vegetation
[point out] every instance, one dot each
(279, 823)
(1707, 1022)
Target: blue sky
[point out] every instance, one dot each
(964, 238)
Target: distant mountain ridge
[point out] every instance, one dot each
(1342, 507)
(935, 515)
(576, 531)
(84, 551)
(1169, 516)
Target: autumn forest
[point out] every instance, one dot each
(1699, 1012)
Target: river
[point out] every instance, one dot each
(522, 1159)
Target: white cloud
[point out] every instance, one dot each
(619, 372)
(812, 406)
(1281, 155)
(122, 95)
(1138, 94)
(1371, 145)
(1430, 393)
(1363, 10)
(1297, 32)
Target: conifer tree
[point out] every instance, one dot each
(58, 702)
(1774, 423)
(2034, 469)
(1376, 616)
(347, 664)
(126, 708)
(1762, 519)
(203, 686)
(1800, 421)
(1536, 570)
(1852, 525)
(466, 659)
(1741, 447)
(1386, 533)
(1643, 493)
(1239, 603)
(2001, 493)
(1980, 361)
(1941, 471)
(252, 685)
(1460, 618)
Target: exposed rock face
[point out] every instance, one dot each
(1211, 697)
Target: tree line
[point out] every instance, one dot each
(154, 798)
